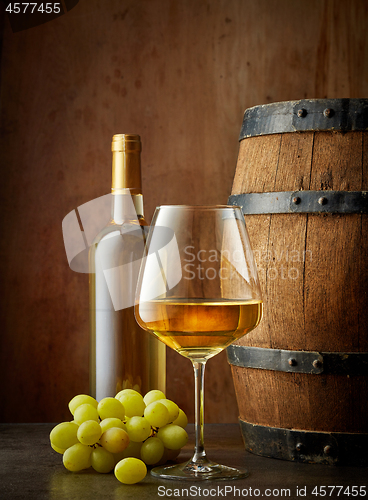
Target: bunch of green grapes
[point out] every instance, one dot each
(125, 433)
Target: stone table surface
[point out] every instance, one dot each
(30, 469)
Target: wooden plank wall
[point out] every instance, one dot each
(178, 72)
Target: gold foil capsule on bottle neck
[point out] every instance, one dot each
(126, 142)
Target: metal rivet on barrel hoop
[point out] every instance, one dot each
(302, 113)
(299, 447)
(327, 450)
(292, 361)
(328, 112)
(322, 200)
(296, 200)
(317, 363)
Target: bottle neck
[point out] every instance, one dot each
(126, 186)
(126, 206)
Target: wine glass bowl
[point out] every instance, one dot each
(198, 292)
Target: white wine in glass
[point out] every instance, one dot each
(199, 328)
(198, 291)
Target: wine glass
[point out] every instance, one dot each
(198, 292)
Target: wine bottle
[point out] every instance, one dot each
(122, 355)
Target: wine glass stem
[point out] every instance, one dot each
(199, 451)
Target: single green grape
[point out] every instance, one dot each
(172, 407)
(89, 432)
(111, 408)
(85, 412)
(114, 440)
(138, 429)
(168, 455)
(80, 400)
(107, 423)
(126, 391)
(153, 395)
(77, 457)
(152, 450)
(182, 419)
(64, 435)
(130, 470)
(58, 450)
(132, 450)
(157, 414)
(102, 461)
(133, 404)
(173, 436)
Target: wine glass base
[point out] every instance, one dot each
(190, 471)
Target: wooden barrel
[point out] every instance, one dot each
(301, 376)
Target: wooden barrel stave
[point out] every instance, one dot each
(323, 403)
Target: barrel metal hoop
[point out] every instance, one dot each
(311, 362)
(305, 115)
(330, 448)
(302, 202)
